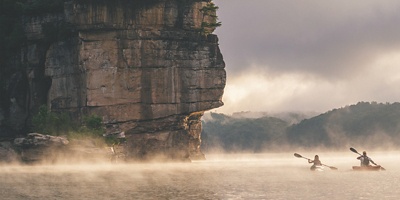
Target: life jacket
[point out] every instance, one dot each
(317, 162)
(364, 161)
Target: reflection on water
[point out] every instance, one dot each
(262, 176)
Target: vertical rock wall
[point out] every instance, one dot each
(141, 65)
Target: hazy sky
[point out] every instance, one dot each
(304, 55)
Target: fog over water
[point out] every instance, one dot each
(234, 176)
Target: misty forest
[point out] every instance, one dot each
(365, 124)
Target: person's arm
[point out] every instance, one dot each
(372, 161)
(310, 161)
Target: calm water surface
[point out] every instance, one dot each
(262, 176)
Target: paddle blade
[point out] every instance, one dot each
(353, 150)
(298, 155)
(333, 168)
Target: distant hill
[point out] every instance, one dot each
(367, 125)
(372, 125)
(290, 117)
(241, 134)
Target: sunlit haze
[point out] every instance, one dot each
(262, 176)
(308, 55)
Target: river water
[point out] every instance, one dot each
(238, 176)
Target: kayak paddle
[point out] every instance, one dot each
(355, 151)
(300, 156)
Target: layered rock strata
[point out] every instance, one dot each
(144, 66)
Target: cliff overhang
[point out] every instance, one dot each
(143, 67)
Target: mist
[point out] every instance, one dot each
(221, 176)
(372, 126)
(281, 57)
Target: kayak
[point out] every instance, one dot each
(317, 168)
(367, 168)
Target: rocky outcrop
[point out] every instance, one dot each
(40, 148)
(36, 139)
(37, 147)
(143, 66)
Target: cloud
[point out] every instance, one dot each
(254, 90)
(327, 38)
(309, 55)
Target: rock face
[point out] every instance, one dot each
(141, 65)
(38, 147)
(36, 139)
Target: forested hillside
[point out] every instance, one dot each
(367, 125)
(373, 125)
(241, 134)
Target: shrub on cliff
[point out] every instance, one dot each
(209, 14)
(93, 122)
(52, 123)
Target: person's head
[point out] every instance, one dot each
(316, 157)
(364, 153)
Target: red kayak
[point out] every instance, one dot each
(367, 168)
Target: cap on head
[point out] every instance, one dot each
(364, 153)
(316, 156)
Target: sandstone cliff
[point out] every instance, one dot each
(141, 65)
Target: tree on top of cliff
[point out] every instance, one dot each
(209, 14)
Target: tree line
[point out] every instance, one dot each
(365, 124)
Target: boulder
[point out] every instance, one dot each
(40, 148)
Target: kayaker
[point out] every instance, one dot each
(316, 162)
(365, 160)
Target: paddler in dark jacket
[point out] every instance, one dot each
(316, 162)
(365, 159)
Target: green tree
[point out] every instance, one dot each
(209, 11)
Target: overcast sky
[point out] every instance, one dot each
(309, 55)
